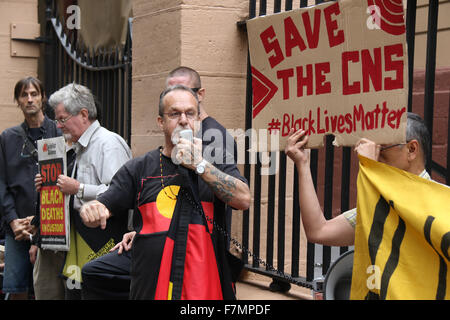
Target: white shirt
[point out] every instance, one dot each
(99, 154)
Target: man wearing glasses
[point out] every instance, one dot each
(173, 234)
(99, 154)
(18, 166)
(340, 231)
(218, 147)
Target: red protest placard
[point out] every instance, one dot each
(54, 206)
(337, 68)
(52, 199)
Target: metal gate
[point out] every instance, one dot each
(330, 165)
(107, 72)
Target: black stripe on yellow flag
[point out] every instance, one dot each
(402, 235)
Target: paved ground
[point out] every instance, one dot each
(259, 290)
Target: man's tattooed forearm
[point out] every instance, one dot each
(224, 186)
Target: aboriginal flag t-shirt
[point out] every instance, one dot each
(177, 252)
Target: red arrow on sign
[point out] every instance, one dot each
(263, 91)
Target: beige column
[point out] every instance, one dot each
(199, 34)
(22, 63)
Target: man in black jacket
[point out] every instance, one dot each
(167, 199)
(18, 166)
(108, 277)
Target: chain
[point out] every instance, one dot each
(174, 196)
(236, 243)
(245, 250)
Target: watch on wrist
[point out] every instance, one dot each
(80, 192)
(200, 169)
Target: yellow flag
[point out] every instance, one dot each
(402, 235)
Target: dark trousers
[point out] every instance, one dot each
(107, 277)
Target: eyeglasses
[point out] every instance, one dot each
(175, 115)
(391, 146)
(195, 89)
(63, 121)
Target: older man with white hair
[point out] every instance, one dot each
(99, 154)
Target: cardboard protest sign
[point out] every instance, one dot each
(336, 68)
(54, 209)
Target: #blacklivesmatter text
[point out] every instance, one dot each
(320, 122)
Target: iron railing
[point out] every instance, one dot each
(327, 163)
(106, 71)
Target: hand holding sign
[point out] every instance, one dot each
(67, 185)
(368, 149)
(295, 147)
(38, 182)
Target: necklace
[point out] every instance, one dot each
(173, 197)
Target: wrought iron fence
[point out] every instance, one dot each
(333, 165)
(106, 71)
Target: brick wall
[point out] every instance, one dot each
(441, 112)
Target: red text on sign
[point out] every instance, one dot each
(50, 172)
(306, 79)
(361, 118)
(372, 69)
(294, 40)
